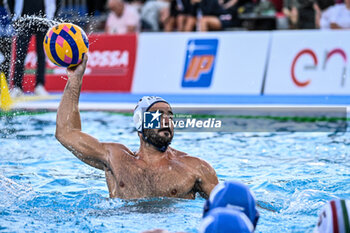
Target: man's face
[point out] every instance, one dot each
(117, 6)
(164, 135)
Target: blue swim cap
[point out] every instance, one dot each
(144, 104)
(334, 217)
(224, 220)
(233, 195)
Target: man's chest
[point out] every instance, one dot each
(173, 180)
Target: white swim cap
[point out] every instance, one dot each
(334, 217)
(144, 104)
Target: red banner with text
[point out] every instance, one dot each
(110, 66)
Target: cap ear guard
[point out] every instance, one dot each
(137, 118)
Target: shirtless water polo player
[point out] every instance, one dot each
(156, 170)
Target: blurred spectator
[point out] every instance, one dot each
(210, 15)
(278, 5)
(236, 7)
(320, 6)
(301, 13)
(182, 16)
(6, 33)
(225, 220)
(264, 17)
(138, 4)
(26, 27)
(265, 7)
(336, 17)
(334, 217)
(122, 19)
(218, 15)
(96, 7)
(154, 14)
(282, 21)
(306, 14)
(324, 4)
(291, 12)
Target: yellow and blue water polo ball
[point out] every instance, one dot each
(66, 44)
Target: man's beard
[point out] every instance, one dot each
(155, 139)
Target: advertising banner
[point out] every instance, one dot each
(309, 63)
(201, 63)
(110, 66)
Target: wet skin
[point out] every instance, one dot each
(146, 173)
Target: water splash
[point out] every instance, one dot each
(43, 24)
(13, 193)
(30, 21)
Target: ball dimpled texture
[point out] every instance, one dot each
(66, 44)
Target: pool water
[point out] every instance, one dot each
(44, 188)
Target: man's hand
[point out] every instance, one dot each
(78, 71)
(335, 26)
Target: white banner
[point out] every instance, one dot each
(309, 62)
(201, 63)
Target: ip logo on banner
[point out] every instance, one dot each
(200, 62)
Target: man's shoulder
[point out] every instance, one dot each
(335, 9)
(177, 153)
(180, 155)
(189, 158)
(130, 9)
(115, 149)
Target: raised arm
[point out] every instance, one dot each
(68, 124)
